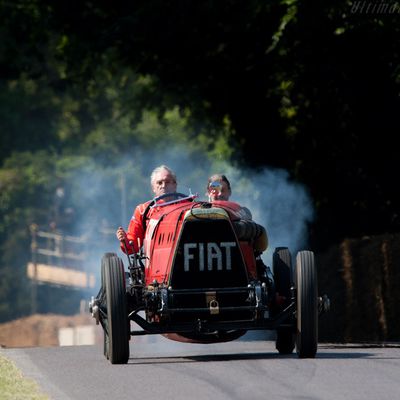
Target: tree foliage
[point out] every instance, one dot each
(310, 88)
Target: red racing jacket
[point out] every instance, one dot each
(136, 229)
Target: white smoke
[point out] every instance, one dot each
(282, 206)
(108, 193)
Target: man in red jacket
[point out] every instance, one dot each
(162, 180)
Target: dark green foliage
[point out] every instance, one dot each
(311, 88)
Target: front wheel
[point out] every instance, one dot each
(307, 305)
(116, 341)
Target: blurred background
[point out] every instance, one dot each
(295, 102)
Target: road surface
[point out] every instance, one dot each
(160, 368)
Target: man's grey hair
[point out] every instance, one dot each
(159, 169)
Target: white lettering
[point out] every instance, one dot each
(186, 255)
(214, 253)
(201, 256)
(218, 255)
(228, 246)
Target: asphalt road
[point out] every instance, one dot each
(160, 368)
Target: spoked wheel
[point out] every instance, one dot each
(103, 285)
(282, 267)
(105, 334)
(307, 305)
(116, 339)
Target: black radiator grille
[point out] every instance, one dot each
(222, 305)
(208, 256)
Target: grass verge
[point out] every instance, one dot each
(14, 386)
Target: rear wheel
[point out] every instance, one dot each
(116, 340)
(307, 305)
(285, 340)
(109, 255)
(282, 266)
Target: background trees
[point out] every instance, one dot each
(309, 88)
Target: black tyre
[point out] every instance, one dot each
(285, 340)
(105, 344)
(103, 285)
(283, 277)
(282, 269)
(116, 342)
(307, 305)
(109, 255)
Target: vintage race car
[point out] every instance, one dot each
(199, 278)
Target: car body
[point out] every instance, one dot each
(199, 278)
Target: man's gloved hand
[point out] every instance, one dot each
(121, 234)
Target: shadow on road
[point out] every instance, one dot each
(241, 357)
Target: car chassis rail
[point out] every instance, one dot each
(284, 318)
(204, 326)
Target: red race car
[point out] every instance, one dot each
(199, 278)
